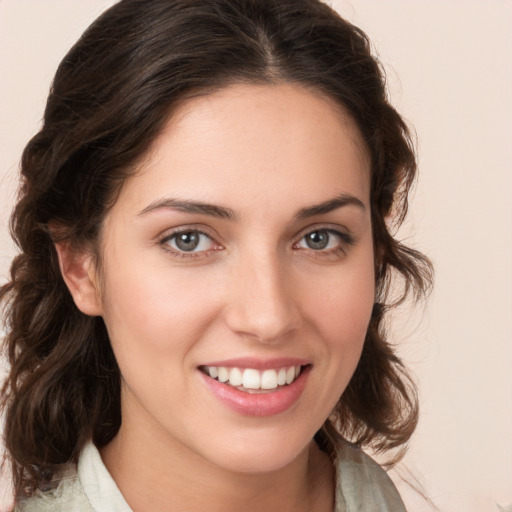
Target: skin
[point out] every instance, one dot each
(253, 288)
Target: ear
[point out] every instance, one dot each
(79, 273)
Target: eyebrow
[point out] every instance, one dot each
(191, 207)
(330, 205)
(222, 212)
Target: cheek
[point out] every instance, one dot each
(348, 312)
(150, 315)
(343, 308)
(339, 314)
(153, 323)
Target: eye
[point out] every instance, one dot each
(189, 241)
(324, 240)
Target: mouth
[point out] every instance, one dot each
(257, 388)
(252, 380)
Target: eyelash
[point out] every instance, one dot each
(164, 242)
(346, 240)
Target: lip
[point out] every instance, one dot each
(259, 364)
(258, 404)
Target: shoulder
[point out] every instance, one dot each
(362, 485)
(68, 496)
(88, 487)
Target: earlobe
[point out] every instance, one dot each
(79, 273)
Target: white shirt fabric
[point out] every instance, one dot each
(99, 487)
(362, 486)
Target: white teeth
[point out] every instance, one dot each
(269, 379)
(235, 377)
(223, 374)
(250, 378)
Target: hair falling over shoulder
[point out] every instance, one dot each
(110, 98)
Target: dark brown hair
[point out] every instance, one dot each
(111, 96)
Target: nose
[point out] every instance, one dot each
(262, 303)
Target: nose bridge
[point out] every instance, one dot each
(262, 303)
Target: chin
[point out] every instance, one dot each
(257, 455)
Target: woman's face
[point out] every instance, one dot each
(241, 250)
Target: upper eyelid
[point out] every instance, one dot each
(172, 232)
(336, 229)
(172, 235)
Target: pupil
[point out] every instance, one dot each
(318, 240)
(187, 241)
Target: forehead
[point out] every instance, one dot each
(246, 142)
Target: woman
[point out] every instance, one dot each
(195, 320)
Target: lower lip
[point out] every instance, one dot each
(259, 404)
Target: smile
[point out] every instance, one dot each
(253, 388)
(252, 380)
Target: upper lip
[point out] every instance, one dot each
(259, 364)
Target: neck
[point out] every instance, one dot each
(167, 476)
